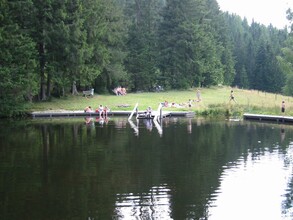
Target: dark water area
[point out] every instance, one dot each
(116, 169)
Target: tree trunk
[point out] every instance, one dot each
(138, 12)
(42, 72)
(49, 85)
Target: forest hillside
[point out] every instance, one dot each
(51, 49)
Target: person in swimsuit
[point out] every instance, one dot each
(232, 98)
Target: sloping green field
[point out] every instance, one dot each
(215, 101)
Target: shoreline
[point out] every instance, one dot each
(64, 113)
(126, 113)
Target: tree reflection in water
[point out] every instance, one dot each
(71, 169)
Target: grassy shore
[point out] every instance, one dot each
(215, 101)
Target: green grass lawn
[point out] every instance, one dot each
(214, 101)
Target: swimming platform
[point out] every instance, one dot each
(268, 118)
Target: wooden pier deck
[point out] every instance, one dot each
(52, 114)
(268, 118)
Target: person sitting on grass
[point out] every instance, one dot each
(117, 90)
(176, 105)
(88, 109)
(165, 104)
(189, 103)
(123, 91)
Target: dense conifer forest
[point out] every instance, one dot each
(51, 48)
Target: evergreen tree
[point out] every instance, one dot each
(254, 46)
(18, 62)
(142, 44)
(191, 50)
(114, 73)
(285, 59)
(105, 28)
(268, 76)
(241, 79)
(286, 63)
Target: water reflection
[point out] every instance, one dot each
(148, 123)
(197, 169)
(133, 126)
(253, 189)
(154, 204)
(189, 126)
(282, 133)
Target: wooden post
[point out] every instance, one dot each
(135, 108)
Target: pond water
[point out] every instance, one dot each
(180, 169)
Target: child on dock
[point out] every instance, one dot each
(100, 109)
(105, 111)
(148, 112)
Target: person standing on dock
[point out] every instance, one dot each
(283, 107)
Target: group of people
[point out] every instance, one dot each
(189, 102)
(176, 105)
(102, 110)
(120, 90)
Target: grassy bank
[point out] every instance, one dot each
(215, 101)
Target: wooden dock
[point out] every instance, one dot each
(268, 118)
(153, 115)
(52, 114)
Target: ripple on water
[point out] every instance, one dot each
(152, 205)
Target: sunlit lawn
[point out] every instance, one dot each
(249, 101)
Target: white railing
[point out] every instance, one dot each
(134, 110)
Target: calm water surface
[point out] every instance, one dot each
(182, 169)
